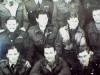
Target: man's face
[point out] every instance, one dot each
(73, 22)
(11, 25)
(84, 58)
(96, 15)
(13, 55)
(50, 54)
(42, 20)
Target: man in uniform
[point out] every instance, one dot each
(13, 35)
(51, 64)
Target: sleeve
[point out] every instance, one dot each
(65, 69)
(1, 73)
(29, 48)
(58, 44)
(3, 68)
(25, 18)
(36, 69)
(80, 38)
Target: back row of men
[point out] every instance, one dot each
(42, 37)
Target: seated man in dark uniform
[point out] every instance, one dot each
(13, 64)
(51, 64)
(86, 63)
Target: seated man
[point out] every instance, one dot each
(51, 64)
(13, 64)
(86, 63)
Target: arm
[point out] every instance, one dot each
(36, 69)
(58, 44)
(65, 69)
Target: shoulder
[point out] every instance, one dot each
(2, 34)
(3, 62)
(32, 29)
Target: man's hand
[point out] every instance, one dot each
(23, 29)
(27, 63)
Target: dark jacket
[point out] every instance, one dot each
(93, 40)
(65, 46)
(70, 47)
(93, 34)
(18, 38)
(18, 69)
(39, 38)
(32, 9)
(58, 68)
(91, 69)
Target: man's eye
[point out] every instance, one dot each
(85, 55)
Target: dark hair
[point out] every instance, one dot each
(82, 49)
(8, 47)
(11, 18)
(49, 46)
(72, 14)
(42, 12)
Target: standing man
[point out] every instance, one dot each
(13, 64)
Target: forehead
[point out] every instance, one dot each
(42, 15)
(47, 50)
(74, 18)
(10, 51)
(83, 53)
(96, 11)
(11, 21)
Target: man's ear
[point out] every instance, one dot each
(91, 52)
(37, 19)
(18, 54)
(55, 52)
(7, 55)
(17, 24)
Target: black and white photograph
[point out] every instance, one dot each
(49, 37)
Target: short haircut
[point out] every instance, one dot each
(8, 47)
(72, 14)
(11, 18)
(49, 46)
(82, 49)
(42, 12)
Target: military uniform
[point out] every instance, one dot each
(39, 38)
(18, 38)
(42, 67)
(93, 40)
(70, 47)
(17, 69)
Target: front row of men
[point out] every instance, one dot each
(50, 64)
